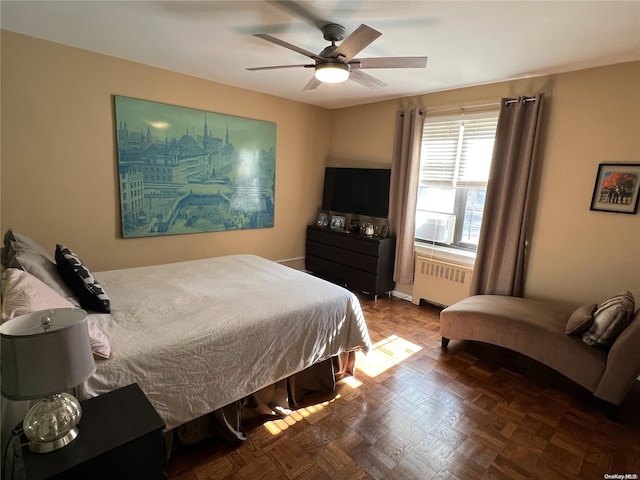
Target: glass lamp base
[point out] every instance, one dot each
(46, 447)
(51, 423)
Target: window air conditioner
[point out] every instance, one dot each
(435, 227)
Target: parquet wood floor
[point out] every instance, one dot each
(471, 412)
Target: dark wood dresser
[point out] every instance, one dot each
(361, 263)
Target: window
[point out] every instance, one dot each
(455, 160)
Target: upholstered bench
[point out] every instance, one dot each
(538, 330)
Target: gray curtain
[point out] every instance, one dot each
(501, 256)
(403, 195)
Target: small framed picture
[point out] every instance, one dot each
(616, 188)
(384, 230)
(323, 219)
(337, 222)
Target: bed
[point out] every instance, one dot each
(202, 336)
(244, 324)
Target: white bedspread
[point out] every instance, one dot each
(201, 334)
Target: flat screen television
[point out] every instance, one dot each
(360, 191)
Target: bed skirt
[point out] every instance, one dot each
(277, 399)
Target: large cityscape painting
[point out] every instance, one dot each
(184, 170)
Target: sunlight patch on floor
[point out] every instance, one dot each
(278, 426)
(385, 354)
(353, 382)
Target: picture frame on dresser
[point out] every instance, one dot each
(337, 222)
(323, 219)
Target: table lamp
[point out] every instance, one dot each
(45, 354)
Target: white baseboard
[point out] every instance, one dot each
(401, 296)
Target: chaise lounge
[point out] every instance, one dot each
(557, 337)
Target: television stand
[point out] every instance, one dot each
(358, 262)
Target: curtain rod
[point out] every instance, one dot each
(524, 100)
(482, 105)
(462, 107)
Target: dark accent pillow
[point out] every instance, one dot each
(581, 319)
(81, 281)
(609, 319)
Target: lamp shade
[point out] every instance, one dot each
(332, 72)
(45, 353)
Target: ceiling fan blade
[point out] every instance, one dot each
(313, 84)
(366, 80)
(255, 69)
(356, 42)
(299, 10)
(389, 62)
(282, 43)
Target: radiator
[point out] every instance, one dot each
(440, 282)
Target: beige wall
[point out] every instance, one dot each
(59, 178)
(594, 117)
(591, 116)
(59, 167)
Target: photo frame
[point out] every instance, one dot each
(184, 170)
(616, 188)
(323, 219)
(384, 231)
(337, 222)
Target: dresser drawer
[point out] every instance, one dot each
(345, 241)
(344, 257)
(361, 263)
(342, 275)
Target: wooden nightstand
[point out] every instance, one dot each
(121, 437)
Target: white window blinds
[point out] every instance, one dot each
(457, 151)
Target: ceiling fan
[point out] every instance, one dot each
(337, 63)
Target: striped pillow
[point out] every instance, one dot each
(76, 274)
(609, 319)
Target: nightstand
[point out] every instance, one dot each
(121, 437)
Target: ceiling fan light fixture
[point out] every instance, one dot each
(332, 72)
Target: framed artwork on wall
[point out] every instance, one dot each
(616, 188)
(183, 170)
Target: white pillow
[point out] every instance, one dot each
(44, 270)
(99, 341)
(23, 293)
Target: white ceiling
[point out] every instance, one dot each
(467, 42)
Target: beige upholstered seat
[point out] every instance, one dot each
(537, 329)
